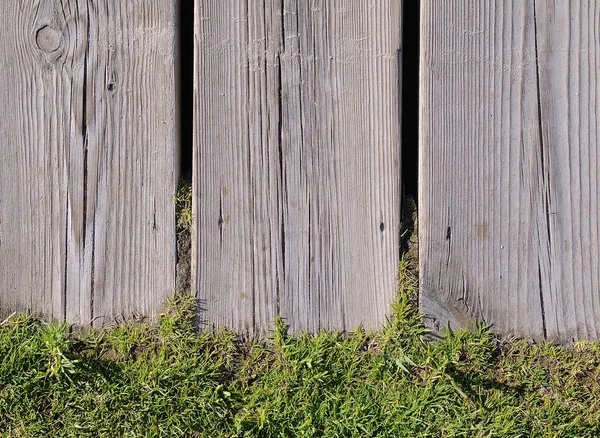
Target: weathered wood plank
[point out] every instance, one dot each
(509, 139)
(297, 178)
(88, 163)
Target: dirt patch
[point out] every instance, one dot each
(410, 233)
(183, 211)
(183, 279)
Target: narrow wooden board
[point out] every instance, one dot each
(509, 155)
(297, 150)
(88, 161)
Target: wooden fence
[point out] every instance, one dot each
(296, 149)
(297, 161)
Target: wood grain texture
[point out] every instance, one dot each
(297, 176)
(88, 158)
(509, 193)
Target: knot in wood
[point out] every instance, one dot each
(48, 40)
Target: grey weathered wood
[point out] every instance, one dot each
(297, 177)
(88, 160)
(509, 193)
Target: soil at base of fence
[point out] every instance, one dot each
(410, 232)
(184, 261)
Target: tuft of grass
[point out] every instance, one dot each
(183, 206)
(170, 379)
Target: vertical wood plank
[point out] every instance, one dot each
(508, 223)
(568, 45)
(297, 162)
(88, 164)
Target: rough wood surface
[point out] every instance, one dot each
(88, 157)
(509, 194)
(297, 176)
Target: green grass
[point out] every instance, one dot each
(166, 379)
(183, 206)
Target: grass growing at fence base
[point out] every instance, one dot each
(168, 380)
(183, 212)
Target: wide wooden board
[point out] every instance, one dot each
(509, 193)
(297, 173)
(88, 157)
